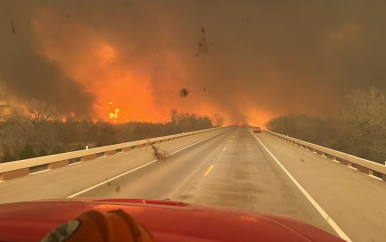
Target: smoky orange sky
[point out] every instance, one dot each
(264, 58)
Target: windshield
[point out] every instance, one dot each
(161, 100)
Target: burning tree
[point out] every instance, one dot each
(31, 124)
(218, 120)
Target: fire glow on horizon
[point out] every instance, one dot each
(135, 83)
(234, 58)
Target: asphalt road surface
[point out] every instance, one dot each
(228, 167)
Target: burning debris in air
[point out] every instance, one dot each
(159, 155)
(202, 45)
(184, 92)
(13, 27)
(117, 185)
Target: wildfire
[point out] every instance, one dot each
(98, 59)
(113, 112)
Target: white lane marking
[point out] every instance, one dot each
(108, 180)
(137, 168)
(329, 220)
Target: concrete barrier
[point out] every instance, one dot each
(20, 168)
(365, 166)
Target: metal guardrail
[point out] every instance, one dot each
(366, 166)
(20, 168)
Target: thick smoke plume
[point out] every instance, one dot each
(254, 59)
(27, 73)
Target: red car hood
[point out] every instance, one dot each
(169, 221)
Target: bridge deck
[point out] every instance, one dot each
(232, 168)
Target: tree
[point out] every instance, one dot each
(173, 116)
(4, 106)
(364, 122)
(38, 112)
(57, 150)
(285, 124)
(7, 156)
(34, 130)
(184, 122)
(35, 120)
(360, 131)
(27, 152)
(218, 120)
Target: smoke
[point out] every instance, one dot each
(28, 74)
(254, 59)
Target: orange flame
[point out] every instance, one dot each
(113, 112)
(103, 69)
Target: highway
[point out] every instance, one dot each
(227, 167)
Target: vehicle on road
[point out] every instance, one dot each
(257, 130)
(167, 221)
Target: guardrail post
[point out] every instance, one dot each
(58, 164)
(365, 170)
(8, 172)
(110, 152)
(356, 163)
(345, 162)
(14, 174)
(88, 157)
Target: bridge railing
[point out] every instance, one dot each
(366, 166)
(21, 168)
